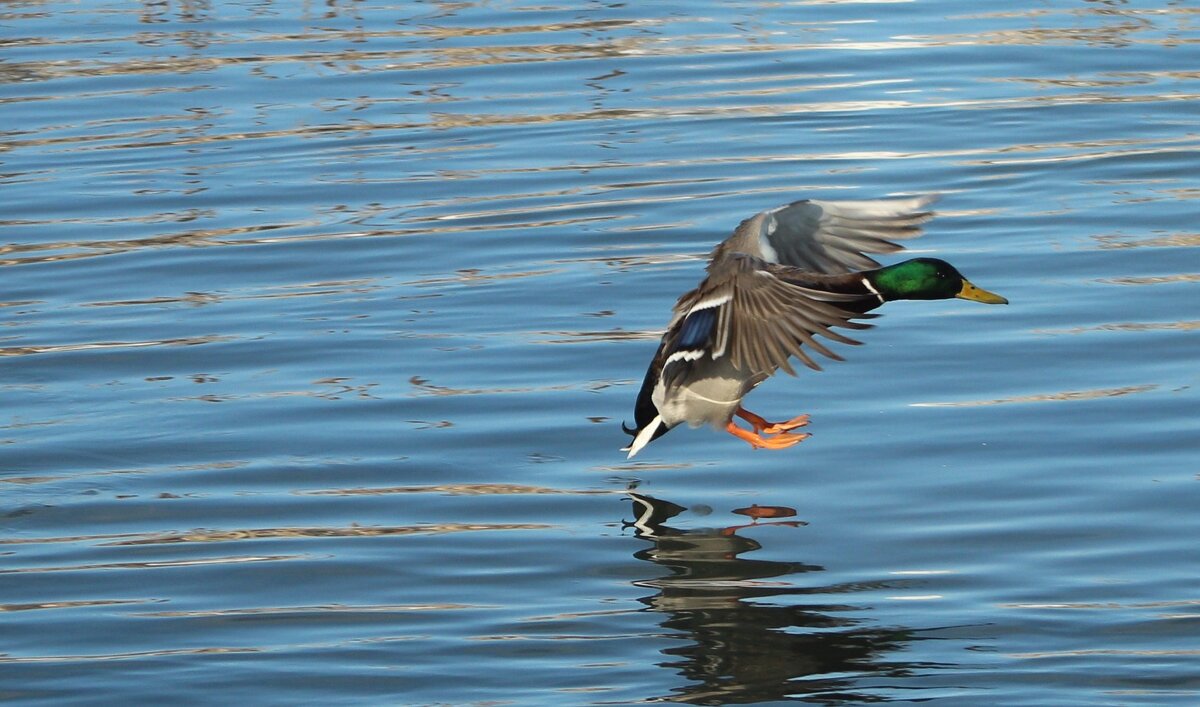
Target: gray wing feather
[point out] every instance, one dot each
(835, 236)
(768, 320)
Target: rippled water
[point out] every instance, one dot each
(319, 321)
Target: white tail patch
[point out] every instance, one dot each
(644, 436)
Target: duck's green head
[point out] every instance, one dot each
(928, 278)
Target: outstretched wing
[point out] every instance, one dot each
(835, 237)
(750, 311)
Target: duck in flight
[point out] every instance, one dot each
(785, 277)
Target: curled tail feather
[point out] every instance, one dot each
(643, 436)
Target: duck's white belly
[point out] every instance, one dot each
(709, 401)
(710, 396)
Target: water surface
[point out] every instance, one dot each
(319, 322)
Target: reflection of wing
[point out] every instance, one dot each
(748, 310)
(834, 236)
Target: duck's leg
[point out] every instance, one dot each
(771, 428)
(777, 441)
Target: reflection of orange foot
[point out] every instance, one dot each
(771, 428)
(778, 441)
(756, 511)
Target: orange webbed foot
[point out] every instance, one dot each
(772, 428)
(776, 428)
(777, 441)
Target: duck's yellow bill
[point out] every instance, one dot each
(978, 294)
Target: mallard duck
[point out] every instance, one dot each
(783, 278)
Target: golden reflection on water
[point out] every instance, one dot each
(333, 389)
(1126, 326)
(58, 348)
(587, 337)
(1170, 240)
(457, 490)
(67, 604)
(175, 468)
(126, 656)
(314, 289)
(315, 609)
(208, 536)
(1180, 652)
(626, 262)
(72, 250)
(476, 276)
(196, 299)
(154, 564)
(1152, 279)
(1163, 604)
(1048, 397)
(424, 387)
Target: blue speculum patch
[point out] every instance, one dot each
(696, 329)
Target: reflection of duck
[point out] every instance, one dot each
(738, 647)
(784, 277)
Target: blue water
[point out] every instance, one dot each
(318, 323)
